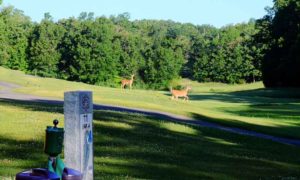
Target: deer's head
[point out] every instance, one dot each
(188, 88)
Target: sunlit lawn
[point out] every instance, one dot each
(272, 111)
(130, 146)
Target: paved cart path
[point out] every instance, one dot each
(6, 92)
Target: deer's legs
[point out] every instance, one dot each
(186, 98)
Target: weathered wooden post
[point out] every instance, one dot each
(78, 112)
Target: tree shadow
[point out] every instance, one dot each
(279, 105)
(132, 145)
(263, 95)
(288, 131)
(286, 93)
(52, 106)
(287, 111)
(19, 155)
(146, 150)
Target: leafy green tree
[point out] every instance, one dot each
(279, 35)
(100, 50)
(44, 55)
(87, 53)
(86, 16)
(164, 60)
(129, 56)
(14, 31)
(225, 55)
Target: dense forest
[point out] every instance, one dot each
(103, 50)
(279, 38)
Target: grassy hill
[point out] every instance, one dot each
(250, 106)
(135, 146)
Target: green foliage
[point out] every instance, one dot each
(14, 31)
(226, 56)
(43, 52)
(163, 64)
(127, 51)
(87, 51)
(102, 51)
(279, 35)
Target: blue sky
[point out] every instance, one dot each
(214, 12)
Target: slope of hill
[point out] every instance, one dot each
(248, 106)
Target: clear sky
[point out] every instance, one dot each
(214, 12)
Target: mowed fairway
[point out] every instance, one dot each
(250, 106)
(130, 146)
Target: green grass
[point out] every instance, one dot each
(22, 133)
(250, 106)
(134, 146)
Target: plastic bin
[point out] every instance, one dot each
(71, 174)
(37, 174)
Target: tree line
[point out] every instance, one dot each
(279, 40)
(103, 50)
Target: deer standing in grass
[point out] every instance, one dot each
(127, 82)
(180, 93)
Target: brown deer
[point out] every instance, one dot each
(180, 93)
(127, 82)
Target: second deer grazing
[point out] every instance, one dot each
(180, 93)
(127, 82)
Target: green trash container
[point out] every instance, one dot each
(54, 140)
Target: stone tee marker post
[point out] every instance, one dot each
(78, 112)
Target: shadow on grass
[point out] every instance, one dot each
(130, 145)
(252, 96)
(288, 131)
(270, 104)
(52, 106)
(16, 155)
(288, 93)
(278, 111)
(147, 150)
